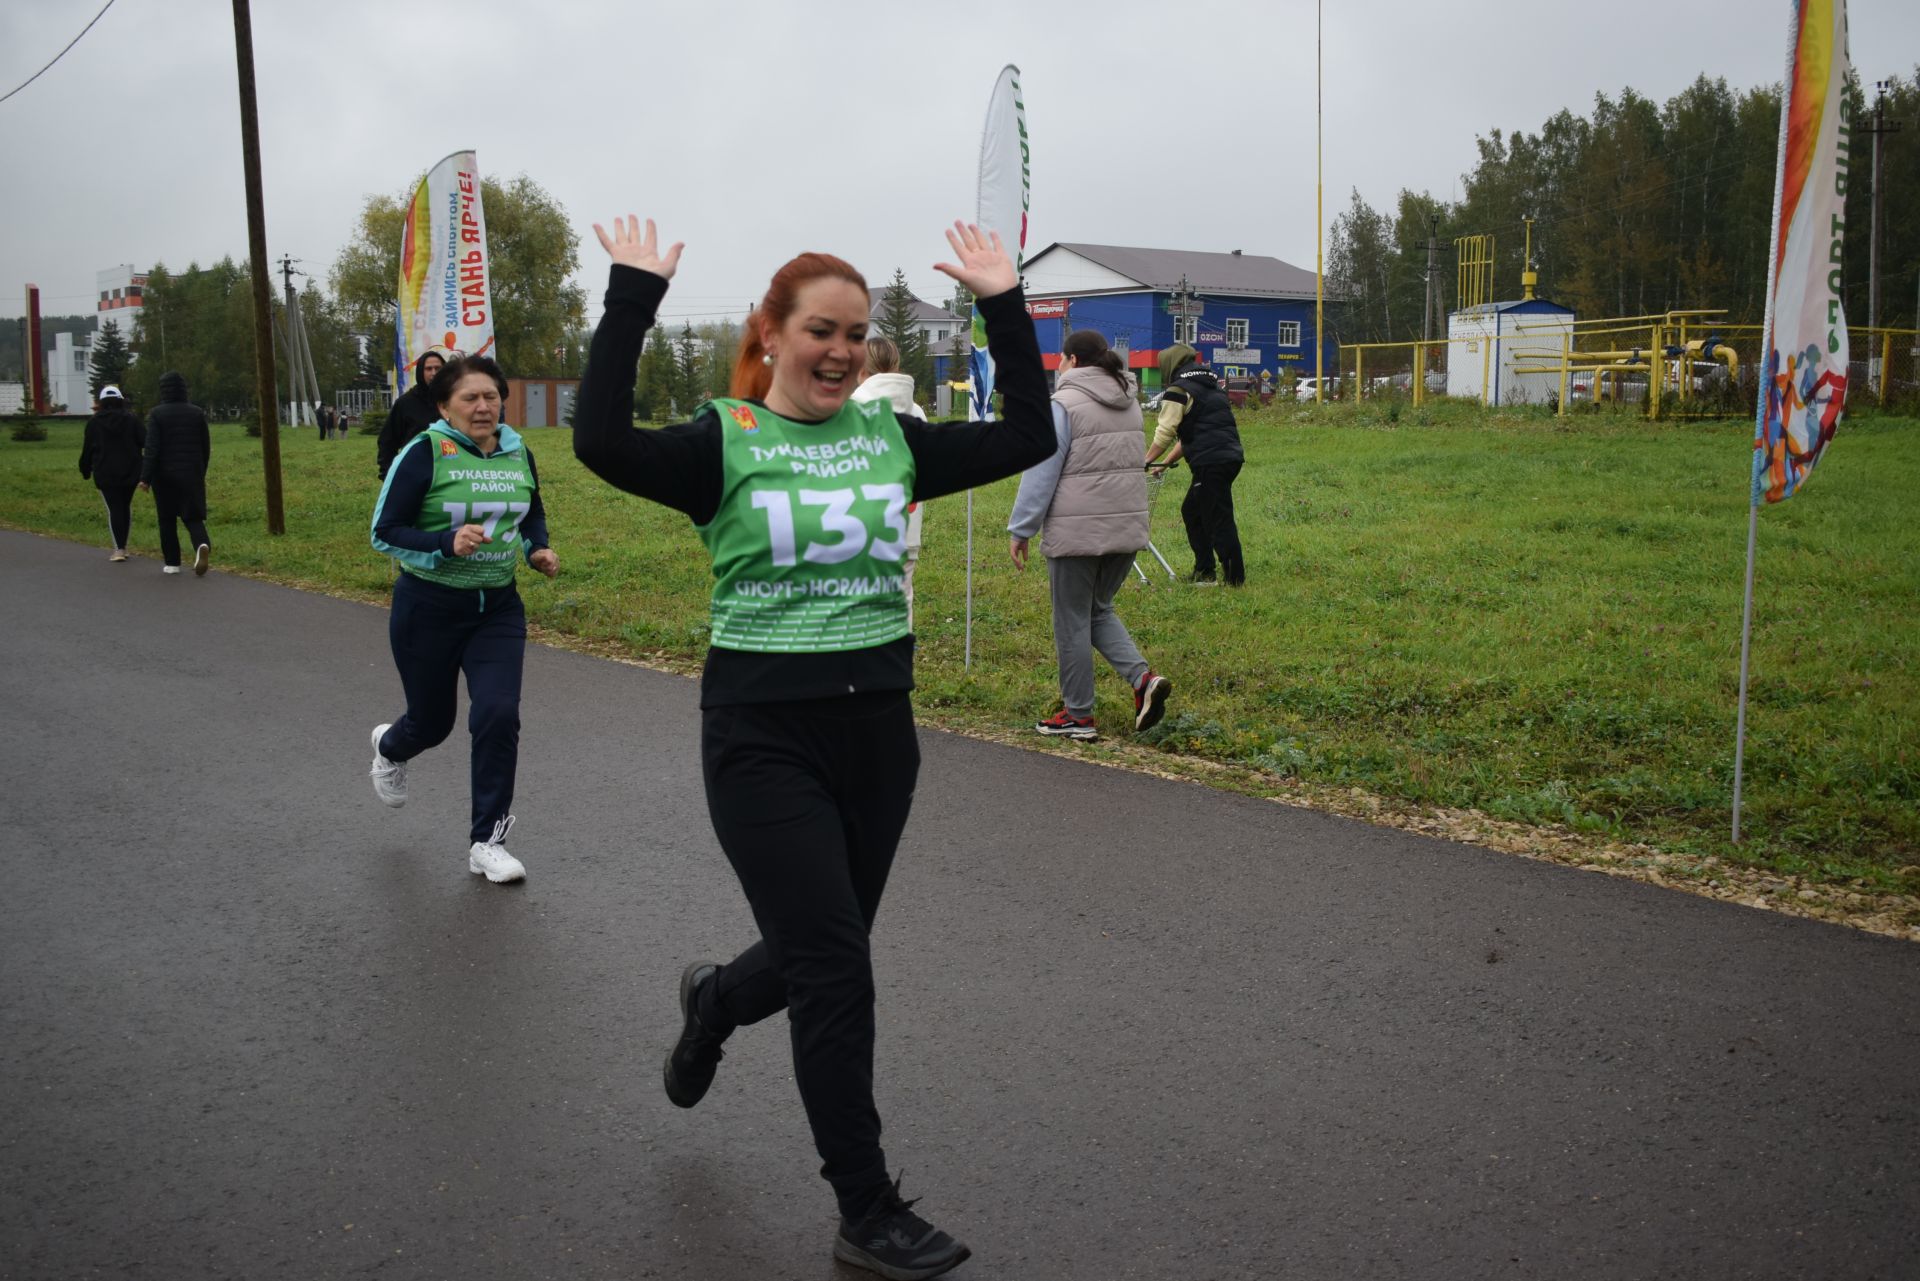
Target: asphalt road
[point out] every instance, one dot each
(255, 1025)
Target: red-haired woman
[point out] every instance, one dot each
(807, 739)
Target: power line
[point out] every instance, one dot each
(56, 57)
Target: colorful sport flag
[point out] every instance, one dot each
(445, 288)
(1803, 389)
(1003, 208)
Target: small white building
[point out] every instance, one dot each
(69, 366)
(122, 294)
(1485, 343)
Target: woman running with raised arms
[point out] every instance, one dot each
(807, 741)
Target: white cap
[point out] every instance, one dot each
(110, 392)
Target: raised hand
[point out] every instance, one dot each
(984, 266)
(630, 249)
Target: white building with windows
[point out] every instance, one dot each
(122, 294)
(69, 365)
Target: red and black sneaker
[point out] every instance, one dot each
(1150, 701)
(1061, 725)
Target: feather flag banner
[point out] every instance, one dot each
(1803, 389)
(445, 287)
(1003, 200)
(1803, 382)
(1004, 194)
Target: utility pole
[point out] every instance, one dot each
(1875, 374)
(290, 342)
(1433, 246)
(262, 288)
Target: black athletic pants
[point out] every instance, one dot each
(437, 633)
(809, 800)
(119, 501)
(180, 500)
(1208, 513)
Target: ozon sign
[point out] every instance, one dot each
(1043, 308)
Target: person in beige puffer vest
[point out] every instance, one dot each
(1088, 503)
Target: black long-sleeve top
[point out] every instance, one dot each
(680, 465)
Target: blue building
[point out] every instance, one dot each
(1245, 314)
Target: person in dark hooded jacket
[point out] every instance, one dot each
(414, 412)
(110, 457)
(1196, 421)
(175, 469)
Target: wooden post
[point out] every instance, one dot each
(262, 288)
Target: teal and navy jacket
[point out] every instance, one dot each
(422, 541)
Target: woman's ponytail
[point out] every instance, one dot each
(752, 376)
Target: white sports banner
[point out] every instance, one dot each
(1004, 190)
(445, 287)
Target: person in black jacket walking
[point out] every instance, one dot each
(175, 469)
(413, 413)
(1196, 420)
(807, 737)
(110, 457)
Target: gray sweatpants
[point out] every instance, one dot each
(1083, 589)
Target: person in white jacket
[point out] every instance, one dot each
(883, 380)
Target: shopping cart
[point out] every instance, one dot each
(1156, 481)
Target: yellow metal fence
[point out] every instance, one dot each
(1678, 364)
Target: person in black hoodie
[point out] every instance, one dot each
(110, 457)
(1196, 420)
(414, 412)
(175, 469)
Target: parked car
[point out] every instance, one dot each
(1303, 389)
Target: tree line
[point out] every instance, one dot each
(1637, 208)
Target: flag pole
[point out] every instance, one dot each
(966, 661)
(1760, 409)
(1746, 640)
(1319, 277)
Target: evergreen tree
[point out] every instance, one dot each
(897, 323)
(653, 398)
(111, 357)
(689, 378)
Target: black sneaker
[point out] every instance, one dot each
(897, 1243)
(694, 1057)
(1203, 578)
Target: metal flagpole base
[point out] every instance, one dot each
(1746, 639)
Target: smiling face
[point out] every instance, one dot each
(819, 352)
(474, 408)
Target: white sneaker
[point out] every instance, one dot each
(169, 569)
(200, 557)
(490, 858)
(389, 777)
(117, 555)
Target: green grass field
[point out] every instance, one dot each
(1446, 607)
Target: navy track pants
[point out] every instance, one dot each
(438, 633)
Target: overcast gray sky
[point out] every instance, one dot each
(754, 129)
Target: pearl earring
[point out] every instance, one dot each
(767, 359)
